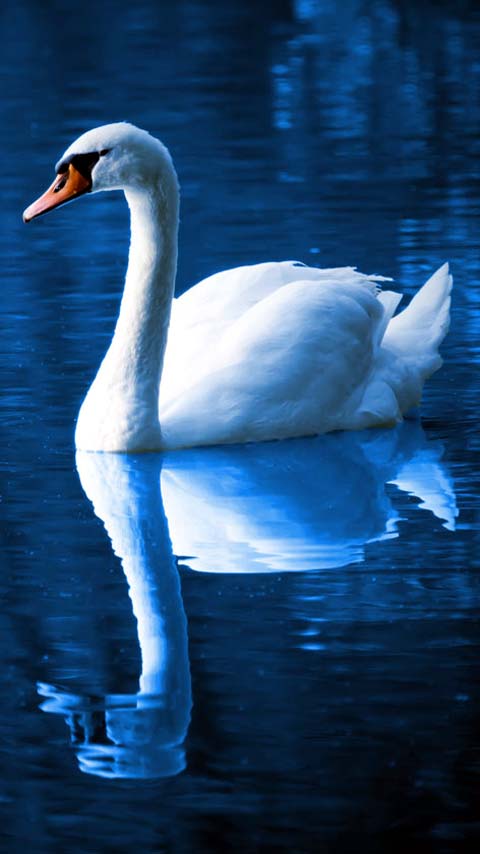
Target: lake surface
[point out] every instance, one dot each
(271, 648)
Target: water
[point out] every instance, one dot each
(280, 654)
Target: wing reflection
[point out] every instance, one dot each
(298, 505)
(288, 506)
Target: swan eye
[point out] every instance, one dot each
(104, 151)
(61, 184)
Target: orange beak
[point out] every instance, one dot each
(67, 186)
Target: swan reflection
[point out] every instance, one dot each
(300, 505)
(290, 506)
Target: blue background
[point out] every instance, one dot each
(331, 706)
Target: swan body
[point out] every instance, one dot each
(267, 351)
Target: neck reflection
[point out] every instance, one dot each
(138, 735)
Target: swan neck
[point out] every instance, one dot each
(150, 281)
(120, 412)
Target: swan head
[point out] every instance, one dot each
(118, 156)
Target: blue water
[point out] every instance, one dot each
(271, 648)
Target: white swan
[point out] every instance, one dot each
(268, 351)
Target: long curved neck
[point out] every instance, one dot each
(121, 408)
(138, 345)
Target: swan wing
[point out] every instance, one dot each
(294, 363)
(205, 314)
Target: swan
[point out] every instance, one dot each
(267, 351)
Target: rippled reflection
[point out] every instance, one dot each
(299, 505)
(287, 506)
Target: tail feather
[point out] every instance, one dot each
(408, 354)
(419, 330)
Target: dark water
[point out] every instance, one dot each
(288, 659)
